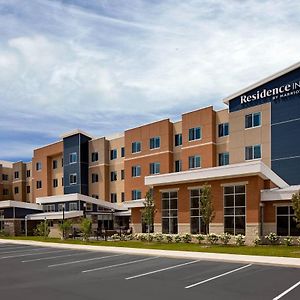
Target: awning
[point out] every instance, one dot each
(55, 215)
(279, 194)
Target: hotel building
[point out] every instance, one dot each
(249, 153)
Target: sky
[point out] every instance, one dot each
(108, 65)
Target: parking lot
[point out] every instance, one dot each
(34, 272)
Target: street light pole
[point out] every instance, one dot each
(63, 218)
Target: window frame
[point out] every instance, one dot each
(73, 154)
(154, 143)
(73, 175)
(136, 147)
(253, 152)
(194, 160)
(194, 134)
(223, 129)
(153, 167)
(251, 116)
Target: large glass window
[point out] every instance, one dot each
(223, 129)
(178, 139)
(252, 152)
(136, 147)
(136, 171)
(286, 224)
(197, 225)
(235, 209)
(223, 159)
(154, 168)
(253, 120)
(155, 142)
(73, 206)
(49, 208)
(195, 133)
(194, 162)
(169, 212)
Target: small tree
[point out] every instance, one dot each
(42, 229)
(148, 212)
(296, 207)
(86, 228)
(206, 206)
(65, 228)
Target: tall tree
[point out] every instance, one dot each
(206, 206)
(296, 207)
(148, 212)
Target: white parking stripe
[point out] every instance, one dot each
(83, 260)
(218, 276)
(30, 254)
(287, 291)
(161, 270)
(53, 257)
(20, 250)
(119, 265)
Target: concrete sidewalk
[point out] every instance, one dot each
(255, 259)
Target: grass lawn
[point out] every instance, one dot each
(280, 250)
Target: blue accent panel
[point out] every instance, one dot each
(19, 212)
(288, 169)
(235, 104)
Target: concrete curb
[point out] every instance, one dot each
(254, 259)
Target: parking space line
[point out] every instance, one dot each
(161, 270)
(218, 276)
(83, 260)
(53, 257)
(21, 250)
(30, 254)
(119, 265)
(287, 291)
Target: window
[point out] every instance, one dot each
(88, 206)
(155, 142)
(223, 129)
(286, 224)
(16, 175)
(194, 133)
(136, 171)
(73, 158)
(49, 207)
(113, 154)
(169, 212)
(27, 173)
(4, 177)
(39, 184)
(178, 165)
(73, 206)
(223, 159)
(95, 178)
(38, 166)
(5, 192)
(113, 198)
(197, 224)
(61, 206)
(16, 190)
(95, 196)
(122, 174)
(194, 162)
(73, 179)
(154, 168)
(113, 176)
(253, 120)
(123, 196)
(55, 183)
(28, 189)
(54, 164)
(136, 194)
(252, 152)
(95, 156)
(178, 139)
(123, 152)
(136, 147)
(235, 209)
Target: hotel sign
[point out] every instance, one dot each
(276, 93)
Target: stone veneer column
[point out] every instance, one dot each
(136, 228)
(216, 228)
(184, 228)
(157, 227)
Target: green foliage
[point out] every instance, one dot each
(257, 241)
(186, 238)
(296, 207)
(225, 238)
(148, 212)
(159, 237)
(273, 238)
(240, 240)
(42, 229)
(212, 238)
(86, 228)
(169, 238)
(288, 241)
(206, 206)
(177, 238)
(200, 238)
(65, 227)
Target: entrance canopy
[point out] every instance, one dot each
(55, 215)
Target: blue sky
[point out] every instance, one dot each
(107, 65)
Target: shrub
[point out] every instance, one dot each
(86, 228)
(186, 238)
(143, 237)
(257, 241)
(200, 238)
(177, 238)
(65, 228)
(159, 237)
(273, 238)
(240, 240)
(169, 238)
(42, 229)
(288, 241)
(115, 237)
(212, 238)
(225, 238)
(129, 237)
